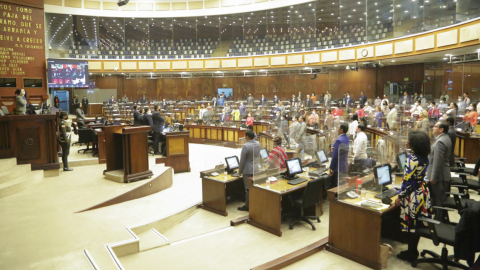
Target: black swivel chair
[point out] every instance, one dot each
(439, 232)
(460, 166)
(310, 198)
(86, 136)
(462, 180)
(457, 200)
(75, 131)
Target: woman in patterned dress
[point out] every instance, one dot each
(414, 196)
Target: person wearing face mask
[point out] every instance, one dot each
(313, 118)
(423, 101)
(416, 109)
(362, 98)
(466, 99)
(461, 105)
(367, 109)
(392, 118)
(348, 101)
(360, 144)
(471, 116)
(337, 112)
(444, 97)
(442, 107)
(328, 120)
(352, 128)
(301, 135)
(63, 131)
(360, 112)
(293, 127)
(327, 99)
(422, 123)
(301, 111)
(249, 121)
(385, 108)
(377, 102)
(385, 103)
(433, 113)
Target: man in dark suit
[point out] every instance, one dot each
(147, 120)
(263, 101)
(362, 98)
(243, 109)
(438, 172)
(85, 104)
(348, 101)
(250, 150)
(276, 99)
(453, 137)
(111, 100)
(299, 97)
(164, 104)
(293, 100)
(136, 116)
(158, 121)
(308, 102)
(405, 99)
(340, 147)
(80, 116)
(143, 99)
(75, 102)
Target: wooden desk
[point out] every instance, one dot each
(218, 191)
(102, 156)
(467, 146)
(203, 133)
(266, 203)
(31, 139)
(266, 141)
(178, 152)
(354, 231)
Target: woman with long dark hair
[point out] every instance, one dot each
(414, 196)
(56, 102)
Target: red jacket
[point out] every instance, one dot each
(249, 121)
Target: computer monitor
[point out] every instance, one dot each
(263, 153)
(383, 175)
(321, 157)
(401, 159)
(294, 166)
(232, 163)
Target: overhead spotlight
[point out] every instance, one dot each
(122, 2)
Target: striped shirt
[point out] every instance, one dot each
(277, 158)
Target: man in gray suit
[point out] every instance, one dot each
(438, 172)
(20, 101)
(250, 100)
(453, 137)
(301, 135)
(250, 150)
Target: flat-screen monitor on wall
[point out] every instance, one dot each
(226, 91)
(67, 73)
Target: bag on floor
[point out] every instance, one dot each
(385, 250)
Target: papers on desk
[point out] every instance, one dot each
(384, 206)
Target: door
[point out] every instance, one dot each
(63, 98)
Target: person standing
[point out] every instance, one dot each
(125, 99)
(328, 119)
(392, 118)
(301, 136)
(263, 101)
(339, 151)
(75, 102)
(236, 114)
(20, 102)
(85, 104)
(136, 116)
(438, 173)
(314, 98)
(63, 130)
(276, 99)
(433, 113)
(452, 134)
(360, 144)
(362, 98)
(250, 151)
(111, 101)
(385, 103)
(251, 100)
(299, 97)
(352, 127)
(293, 100)
(422, 123)
(414, 195)
(405, 100)
(466, 99)
(157, 121)
(243, 109)
(56, 102)
(143, 99)
(378, 117)
(80, 116)
(308, 102)
(249, 121)
(327, 99)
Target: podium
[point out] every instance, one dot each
(126, 150)
(177, 151)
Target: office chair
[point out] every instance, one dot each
(310, 198)
(458, 200)
(86, 136)
(460, 166)
(463, 181)
(439, 232)
(75, 131)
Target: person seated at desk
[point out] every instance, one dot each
(368, 111)
(442, 107)
(246, 168)
(414, 195)
(80, 116)
(277, 157)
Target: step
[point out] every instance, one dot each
(20, 183)
(6, 163)
(150, 239)
(14, 172)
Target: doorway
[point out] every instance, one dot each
(63, 97)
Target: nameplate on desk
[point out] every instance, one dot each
(193, 124)
(408, 120)
(212, 125)
(262, 120)
(381, 129)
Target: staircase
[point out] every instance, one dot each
(16, 178)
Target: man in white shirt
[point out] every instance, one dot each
(443, 106)
(383, 101)
(416, 109)
(392, 118)
(360, 143)
(352, 128)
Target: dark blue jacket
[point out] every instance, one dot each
(343, 142)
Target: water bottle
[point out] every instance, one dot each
(267, 183)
